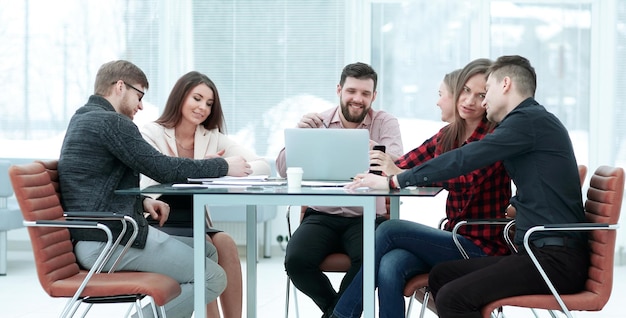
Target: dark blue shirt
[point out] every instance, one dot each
(538, 155)
(104, 151)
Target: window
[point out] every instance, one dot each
(274, 61)
(271, 61)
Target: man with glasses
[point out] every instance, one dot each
(103, 151)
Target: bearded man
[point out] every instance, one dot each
(326, 230)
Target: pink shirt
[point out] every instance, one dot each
(383, 129)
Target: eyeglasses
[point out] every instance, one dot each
(133, 87)
(138, 91)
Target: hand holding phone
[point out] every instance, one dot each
(379, 148)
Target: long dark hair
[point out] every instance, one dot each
(172, 114)
(454, 133)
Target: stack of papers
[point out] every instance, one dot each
(260, 180)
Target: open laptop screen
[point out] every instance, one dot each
(327, 154)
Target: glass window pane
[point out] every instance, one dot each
(414, 44)
(556, 38)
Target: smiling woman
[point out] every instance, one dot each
(192, 126)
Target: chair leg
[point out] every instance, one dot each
(154, 307)
(130, 309)
(139, 308)
(84, 311)
(287, 298)
(3, 253)
(499, 313)
(410, 308)
(71, 307)
(295, 299)
(295, 302)
(425, 301)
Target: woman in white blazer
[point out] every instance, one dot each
(192, 126)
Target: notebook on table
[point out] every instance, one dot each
(327, 156)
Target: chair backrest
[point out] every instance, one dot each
(51, 169)
(38, 199)
(603, 205)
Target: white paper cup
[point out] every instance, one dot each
(294, 177)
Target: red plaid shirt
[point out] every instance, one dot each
(481, 194)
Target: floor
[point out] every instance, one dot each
(21, 295)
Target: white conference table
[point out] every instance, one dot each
(281, 195)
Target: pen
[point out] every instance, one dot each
(324, 123)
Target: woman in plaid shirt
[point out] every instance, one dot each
(404, 248)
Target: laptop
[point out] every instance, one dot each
(328, 155)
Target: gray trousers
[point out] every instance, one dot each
(168, 255)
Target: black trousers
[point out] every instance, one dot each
(461, 288)
(319, 235)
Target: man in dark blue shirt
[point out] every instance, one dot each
(538, 155)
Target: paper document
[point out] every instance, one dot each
(205, 186)
(260, 180)
(325, 183)
(229, 178)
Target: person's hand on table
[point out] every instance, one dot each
(311, 120)
(238, 167)
(158, 210)
(369, 180)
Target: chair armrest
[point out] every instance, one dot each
(67, 224)
(560, 227)
(106, 251)
(80, 225)
(109, 216)
(496, 221)
(93, 215)
(288, 216)
(576, 226)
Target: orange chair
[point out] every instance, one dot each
(417, 287)
(602, 210)
(36, 190)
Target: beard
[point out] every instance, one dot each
(126, 108)
(345, 110)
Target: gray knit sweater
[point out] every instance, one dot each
(103, 151)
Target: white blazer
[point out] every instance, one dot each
(206, 142)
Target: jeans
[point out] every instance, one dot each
(168, 255)
(403, 249)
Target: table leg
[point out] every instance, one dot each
(369, 216)
(199, 259)
(251, 258)
(394, 207)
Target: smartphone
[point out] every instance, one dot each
(379, 148)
